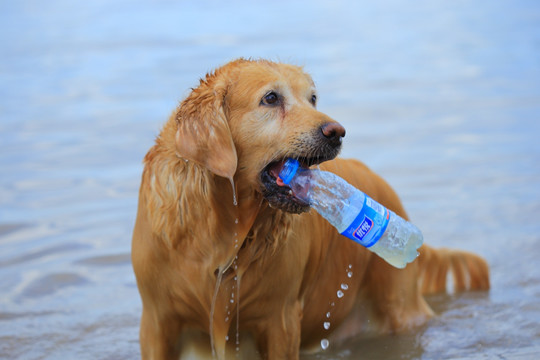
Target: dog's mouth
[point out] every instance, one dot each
(278, 194)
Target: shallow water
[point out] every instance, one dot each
(441, 98)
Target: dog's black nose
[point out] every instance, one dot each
(334, 132)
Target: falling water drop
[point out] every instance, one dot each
(344, 286)
(213, 307)
(340, 294)
(326, 325)
(324, 344)
(235, 201)
(328, 315)
(349, 274)
(237, 279)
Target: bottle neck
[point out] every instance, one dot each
(289, 170)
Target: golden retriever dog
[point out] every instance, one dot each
(224, 257)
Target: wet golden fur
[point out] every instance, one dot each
(286, 267)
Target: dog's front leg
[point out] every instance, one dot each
(159, 339)
(279, 336)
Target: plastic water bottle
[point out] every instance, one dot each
(354, 214)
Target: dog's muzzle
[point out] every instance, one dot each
(324, 144)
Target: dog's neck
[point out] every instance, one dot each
(259, 230)
(248, 229)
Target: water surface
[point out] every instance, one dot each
(441, 98)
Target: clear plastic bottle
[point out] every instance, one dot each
(354, 214)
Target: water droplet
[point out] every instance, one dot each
(328, 315)
(232, 301)
(340, 294)
(324, 344)
(349, 274)
(236, 221)
(350, 266)
(227, 338)
(213, 307)
(344, 286)
(235, 202)
(226, 320)
(332, 304)
(326, 325)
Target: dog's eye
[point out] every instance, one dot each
(313, 100)
(271, 98)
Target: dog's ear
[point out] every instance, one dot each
(203, 134)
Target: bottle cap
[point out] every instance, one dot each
(289, 170)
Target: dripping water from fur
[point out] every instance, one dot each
(235, 293)
(339, 293)
(235, 201)
(213, 308)
(235, 269)
(237, 278)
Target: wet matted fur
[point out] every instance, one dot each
(207, 265)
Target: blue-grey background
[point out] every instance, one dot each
(442, 98)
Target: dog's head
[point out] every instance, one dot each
(245, 119)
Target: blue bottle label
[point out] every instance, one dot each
(370, 224)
